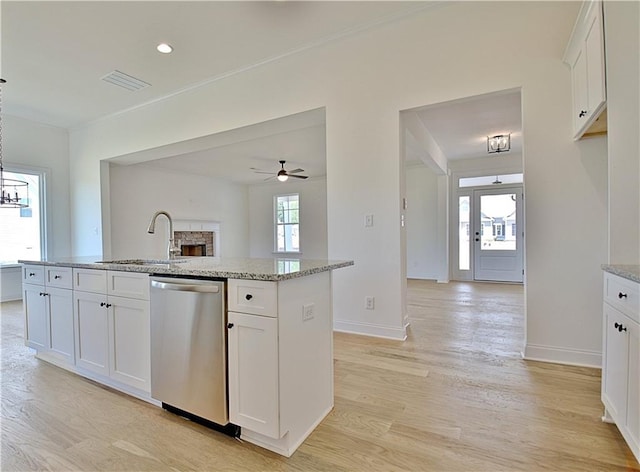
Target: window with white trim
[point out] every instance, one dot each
(22, 230)
(287, 223)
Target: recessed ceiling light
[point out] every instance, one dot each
(164, 48)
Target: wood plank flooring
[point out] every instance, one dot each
(456, 396)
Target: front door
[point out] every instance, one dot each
(498, 234)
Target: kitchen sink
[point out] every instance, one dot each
(144, 261)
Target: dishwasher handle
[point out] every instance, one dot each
(186, 287)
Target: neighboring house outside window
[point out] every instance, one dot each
(287, 223)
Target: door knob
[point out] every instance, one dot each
(582, 113)
(230, 325)
(622, 295)
(477, 239)
(248, 296)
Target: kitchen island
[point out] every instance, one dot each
(92, 317)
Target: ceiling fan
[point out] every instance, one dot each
(283, 175)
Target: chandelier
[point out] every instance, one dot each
(15, 193)
(498, 143)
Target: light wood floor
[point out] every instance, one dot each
(456, 396)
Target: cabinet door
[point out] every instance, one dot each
(91, 331)
(35, 316)
(253, 373)
(61, 341)
(129, 348)
(595, 71)
(580, 91)
(615, 365)
(633, 391)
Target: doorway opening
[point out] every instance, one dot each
(455, 187)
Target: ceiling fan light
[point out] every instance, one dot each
(164, 48)
(283, 176)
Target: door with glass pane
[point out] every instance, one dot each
(498, 235)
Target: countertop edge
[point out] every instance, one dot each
(177, 270)
(627, 271)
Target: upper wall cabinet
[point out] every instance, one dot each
(585, 56)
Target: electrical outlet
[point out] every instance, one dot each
(369, 303)
(308, 311)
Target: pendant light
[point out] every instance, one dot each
(15, 193)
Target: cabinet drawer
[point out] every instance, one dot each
(60, 277)
(253, 296)
(90, 280)
(33, 274)
(622, 294)
(128, 284)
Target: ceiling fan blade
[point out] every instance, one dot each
(269, 178)
(262, 172)
(298, 176)
(295, 171)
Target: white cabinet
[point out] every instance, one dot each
(621, 357)
(48, 312)
(112, 332)
(91, 334)
(280, 359)
(585, 57)
(253, 373)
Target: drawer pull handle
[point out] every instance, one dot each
(620, 327)
(107, 305)
(248, 296)
(57, 277)
(230, 325)
(32, 274)
(102, 303)
(622, 295)
(42, 294)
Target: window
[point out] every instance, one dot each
(463, 232)
(22, 229)
(287, 223)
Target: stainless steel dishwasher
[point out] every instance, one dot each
(188, 347)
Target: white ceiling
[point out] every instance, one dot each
(460, 127)
(55, 53)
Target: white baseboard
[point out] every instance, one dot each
(369, 329)
(559, 355)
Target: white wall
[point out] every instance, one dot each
(34, 145)
(424, 256)
(364, 81)
(313, 217)
(622, 30)
(138, 191)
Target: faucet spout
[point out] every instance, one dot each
(172, 250)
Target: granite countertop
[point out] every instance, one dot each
(628, 271)
(274, 269)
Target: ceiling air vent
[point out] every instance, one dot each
(125, 81)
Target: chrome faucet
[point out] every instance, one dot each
(172, 249)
